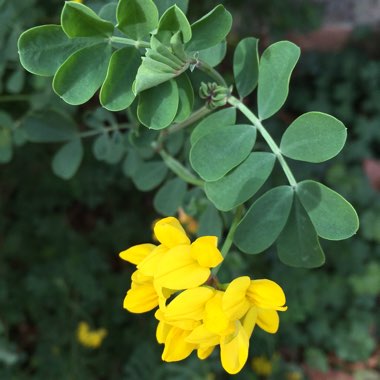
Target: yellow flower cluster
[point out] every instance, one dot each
(90, 338)
(198, 317)
(262, 366)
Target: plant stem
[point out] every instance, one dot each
(113, 128)
(197, 115)
(177, 168)
(14, 98)
(130, 42)
(230, 237)
(267, 137)
(210, 71)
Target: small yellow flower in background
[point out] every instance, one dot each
(193, 316)
(294, 375)
(262, 366)
(190, 224)
(90, 338)
(77, 1)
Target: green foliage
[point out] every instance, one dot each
(136, 18)
(276, 66)
(246, 66)
(264, 221)
(67, 160)
(314, 137)
(212, 159)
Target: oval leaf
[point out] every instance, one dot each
(275, 69)
(264, 221)
(44, 48)
(218, 152)
(6, 150)
(186, 98)
(116, 93)
(49, 126)
(210, 29)
(333, 217)
(136, 18)
(246, 66)
(241, 183)
(163, 5)
(298, 245)
(172, 21)
(169, 198)
(213, 122)
(67, 160)
(77, 20)
(314, 137)
(149, 175)
(214, 55)
(158, 106)
(81, 75)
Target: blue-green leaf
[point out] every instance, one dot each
(333, 217)
(276, 66)
(264, 221)
(314, 137)
(67, 160)
(170, 196)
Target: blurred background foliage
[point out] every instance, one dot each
(59, 240)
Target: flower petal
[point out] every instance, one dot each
(149, 265)
(141, 298)
(205, 251)
(249, 321)
(176, 346)
(170, 233)
(268, 320)
(266, 294)
(215, 319)
(235, 303)
(178, 270)
(137, 253)
(162, 331)
(139, 278)
(203, 337)
(234, 350)
(189, 304)
(204, 353)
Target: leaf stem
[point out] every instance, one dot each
(230, 236)
(211, 72)
(130, 42)
(14, 98)
(267, 137)
(96, 132)
(177, 168)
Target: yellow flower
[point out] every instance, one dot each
(77, 1)
(90, 338)
(262, 366)
(175, 264)
(193, 317)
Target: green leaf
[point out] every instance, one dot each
(216, 153)
(169, 198)
(314, 137)
(172, 21)
(108, 12)
(16, 81)
(214, 55)
(77, 20)
(81, 75)
(264, 221)
(44, 48)
(276, 66)
(5, 145)
(116, 93)
(149, 175)
(210, 30)
(186, 98)
(49, 126)
(132, 163)
(67, 160)
(241, 183)
(213, 122)
(158, 106)
(136, 18)
(109, 148)
(159, 65)
(246, 66)
(333, 217)
(210, 223)
(298, 244)
(163, 5)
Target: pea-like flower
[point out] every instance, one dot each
(192, 315)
